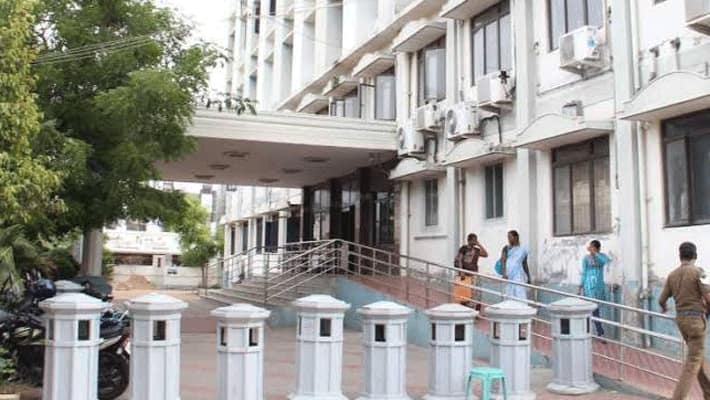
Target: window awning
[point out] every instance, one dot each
(670, 95)
(340, 86)
(417, 34)
(471, 152)
(373, 64)
(312, 103)
(465, 9)
(554, 130)
(412, 169)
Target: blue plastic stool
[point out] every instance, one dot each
(486, 375)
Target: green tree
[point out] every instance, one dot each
(27, 185)
(119, 77)
(196, 241)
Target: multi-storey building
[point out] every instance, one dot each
(408, 123)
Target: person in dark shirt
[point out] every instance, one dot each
(691, 297)
(467, 259)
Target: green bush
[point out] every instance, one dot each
(7, 371)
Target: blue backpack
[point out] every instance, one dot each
(499, 264)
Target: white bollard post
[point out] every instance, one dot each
(155, 347)
(572, 347)
(240, 352)
(71, 355)
(384, 340)
(451, 352)
(319, 358)
(511, 336)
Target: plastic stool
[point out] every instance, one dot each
(486, 375)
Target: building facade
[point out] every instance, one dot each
(566, 120)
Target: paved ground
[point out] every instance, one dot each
(198, 363)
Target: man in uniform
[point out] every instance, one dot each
(691, 296)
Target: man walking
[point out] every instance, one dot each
(691, 297)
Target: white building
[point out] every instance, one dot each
(406, 124)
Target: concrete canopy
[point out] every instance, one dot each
(279, 149)
(471, 152)
(554, 130)
(670, 95)
(413, 169)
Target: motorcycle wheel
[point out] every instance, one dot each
(113, 375)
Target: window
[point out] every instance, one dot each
(686, 146)
(431, 202)
(568, 15)
(564, 326)
(380, 333)
(348, 106)
(271, 240)
(494, 191)
(272, 7)
(257, 16)
(159, 330)
(581, 188)
(431, 72)
(385, 90)
(492, 45)
(253, 337)
(459, 333)
(384, 218)
(84, 330)
(325, 327)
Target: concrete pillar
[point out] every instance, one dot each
(451, 351)
(511, 336)
(71, 354)
(92, 252)
(384, 340)
(319, 356)
(283, 229)
(155, 347)
(572, 347)
(240, 352)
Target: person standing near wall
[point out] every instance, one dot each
(514, 260)
(592, 284)
(467, 259)
(691, 299)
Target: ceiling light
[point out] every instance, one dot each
(316, 160)
(219, 167)
(291, 170)
(204, 177)
(236, 154)
(268, 180)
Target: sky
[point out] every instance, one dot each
(210, 19)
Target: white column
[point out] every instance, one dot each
(71, 354)
(451, 351)
(319, 356)
(511, 336)
(240, 352)
(283, 229)
(155, 347)
(572, 347)
(384, 341)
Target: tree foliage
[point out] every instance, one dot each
(196, 241)
(27, 183)
(129, 104)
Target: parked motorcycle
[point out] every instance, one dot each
(22, 331)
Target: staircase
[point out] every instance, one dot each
(301, 269)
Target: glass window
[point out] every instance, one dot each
(432, 72)
(494, 191)
(385, 90)
(492, 40)
(431, 202)
(686, 142)
(581, 191)
(568, 15)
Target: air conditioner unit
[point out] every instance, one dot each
(428, 118)
(462, 121)
(494, 91)
(410, 142)
(697, 15)
(581, 50)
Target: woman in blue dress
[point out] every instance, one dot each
(592, 284)
(514, 260)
